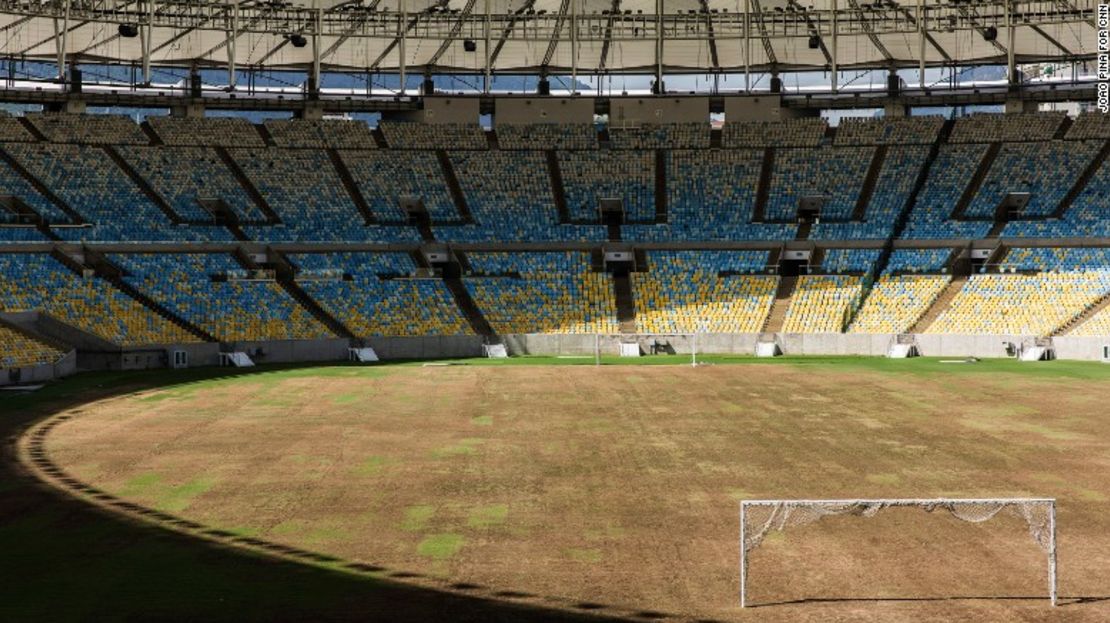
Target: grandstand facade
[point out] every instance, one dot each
(298, 238)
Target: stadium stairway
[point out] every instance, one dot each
(783, 296)
(13, 164)
(660, 186)
(113, 274)
(151, 135)
(976, 182)
(27, 214)
(143, 185)
(454, 186)
(452, 278)
(558, 192)
(869, 183)
(918, 186)
(349, 184)
(248, 186)
(1083, 316)
(265, 133)
(942, 302)
(763, 191)
(626, 302)
(286, 278)
(32, 129)
(1081, 182)
(469, 308)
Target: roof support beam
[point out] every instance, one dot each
(921, 36)
(712, 38)
(488, 83)
(60, 41)
(1056, 44)
(232, 35)
(456, 28)
(147, 33)
(509, 31)
(659, 87)
(601, 65)
(186, 32)
(1069, 7)
(815, 31)
(747, 46)
(919, 21)
(767, 49)
(870, 31)
(574, 46)
(403, 26)
(971, 18)
(350, 30)
(314, 77)
(1011, 77)
(835, 77)
(564, 9)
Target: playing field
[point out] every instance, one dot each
(615, 489)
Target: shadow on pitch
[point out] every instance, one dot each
(110, 558)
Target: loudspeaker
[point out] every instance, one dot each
(74, 80)
(990, 33)
(776, 84)
(128, 31)
(194, 84)
(470, 45)
(544, 87)
(428, 87)
(298, 40)
(814, 42)
(893, 84)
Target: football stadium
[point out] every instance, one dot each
(554, 310)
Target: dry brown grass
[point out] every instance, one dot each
(619, 485)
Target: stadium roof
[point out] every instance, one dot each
(554, 36)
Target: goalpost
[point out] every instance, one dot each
(646, 344)
(759, 517)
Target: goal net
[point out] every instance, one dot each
(646, 345)
(760, 517)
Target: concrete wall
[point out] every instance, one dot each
(427, 347)
(65, 366)
(460, 346)
(654, 110)
(758, 108)
(443, 110)
(956, 346)
(517, 111)
(289, 351)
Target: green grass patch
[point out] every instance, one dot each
(371, 466)
(463, 448)
(591, 556)
(482, 420)
(417, 517)
(177, 498)
(440, 546)
(348, 399)
(486, 516)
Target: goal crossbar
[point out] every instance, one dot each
(1038, 513)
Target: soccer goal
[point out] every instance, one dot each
(759, 517)
(646, 345)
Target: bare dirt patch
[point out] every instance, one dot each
(619, 485)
